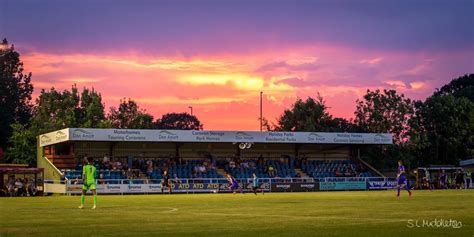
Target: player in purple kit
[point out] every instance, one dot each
(233, 184)
(402, 180)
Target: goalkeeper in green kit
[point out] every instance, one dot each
(88, 177)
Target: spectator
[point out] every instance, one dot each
(338, 173)
(149, 169)
(459, 179)
(181, 161)
(282, 160)
(232, 164)
(451, 181)
(19, 188)
(26, 187)
(115, 165)
(271, 171)
(347, 172)
(443, 178)
(202, 169)
(245, 164)
(260, 160)
(251, 164)
(101, 179)
(467, 178)
(130, 174)
(105, 159)
(119, 165)
(11, 186)
(176, 180)
(142, 165)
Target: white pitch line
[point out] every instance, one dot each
(171, 209)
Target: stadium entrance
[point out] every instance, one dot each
(130, 160)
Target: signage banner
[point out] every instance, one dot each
(54, 137)
(359, 185)
(294, 187)
(156, 188)
(381, 184)
(148, 135)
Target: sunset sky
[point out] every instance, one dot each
(216, 56)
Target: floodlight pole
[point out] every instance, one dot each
(191, 108)
(261, 111)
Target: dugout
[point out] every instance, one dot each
(435, 172)
(9, 172)
(63, 149)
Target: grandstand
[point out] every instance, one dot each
(140, 156)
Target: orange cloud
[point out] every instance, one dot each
(224, 89)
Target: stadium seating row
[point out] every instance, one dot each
(314, 168)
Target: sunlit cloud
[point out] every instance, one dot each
(224, 89)
(81, 80)
(371, 61)
(396, 84)
(417, 85)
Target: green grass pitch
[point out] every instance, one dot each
(364, 213)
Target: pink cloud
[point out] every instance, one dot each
(224, 89)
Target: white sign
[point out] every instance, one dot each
(146, 135)
(54, 137)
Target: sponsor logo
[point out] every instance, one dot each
(382, 138)
(60, 135)
(81, 133)
(307, 186)
(155, 187)
(243, 136)
(134, 187)
(113, 187)
(316, 137)
(283, 186)
(45, 139)
(167, 135)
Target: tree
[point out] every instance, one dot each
(91, 109)
(15, 92)
(443, 129)
(310, 115)
(69, 108)
(56, 110)
(24, 146)
(459, 87)
(129, 115)
(384, 112)
(179, 121)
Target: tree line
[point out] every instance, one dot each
(438, 130)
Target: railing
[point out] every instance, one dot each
(247, 180)
(50, 171)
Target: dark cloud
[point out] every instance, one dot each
(191, 27)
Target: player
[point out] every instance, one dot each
(233, 184)
(255, 184)
(165, 181)
(401, 178)
(88, 178)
